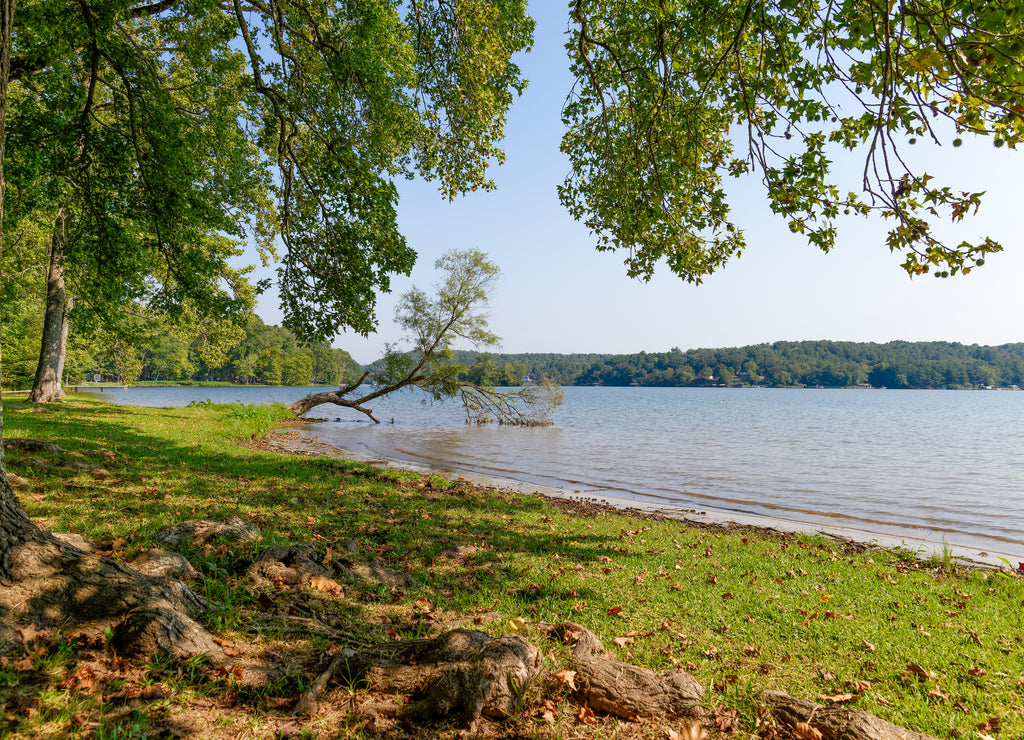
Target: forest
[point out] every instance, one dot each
(780, 364)
(251, 353)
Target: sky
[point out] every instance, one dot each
(558, 294)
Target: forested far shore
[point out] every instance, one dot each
(780, 364)
(272, 355)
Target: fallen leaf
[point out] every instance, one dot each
(936, 693)
(725, 718)
(547, 711)
(803, 731)
(615, 611)
(727, 595)
(976, 671)
(320, 583)
(839, 698)
(918, 671)
(28, 634)
(586, 716)
(868, 646)
(153, 693)
(990, 725)
(277, 702)
(860, 685)
(517, 624)
(623, 641)
(567, 678)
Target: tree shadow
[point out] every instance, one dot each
(456, 539)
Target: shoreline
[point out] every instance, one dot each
(295, 441)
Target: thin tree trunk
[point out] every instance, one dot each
(69, 303)
(47, 385)
(6, 23)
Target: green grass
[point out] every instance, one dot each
(742, 610)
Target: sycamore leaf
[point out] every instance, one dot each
(28, 634)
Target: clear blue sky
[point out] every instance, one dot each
(558, 294)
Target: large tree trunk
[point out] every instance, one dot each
(47, 385)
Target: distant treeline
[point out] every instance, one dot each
(781, 364)
(271, 355)
(262, 354)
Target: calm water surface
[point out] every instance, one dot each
(946, 465)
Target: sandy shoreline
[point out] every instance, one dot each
(925, 543)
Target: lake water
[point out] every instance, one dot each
(913, 466)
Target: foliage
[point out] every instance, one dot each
(812, 363)
(671, 98)
(153, 136)
(112, 116)
(457, 311)
(741, 609)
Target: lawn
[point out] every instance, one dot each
(929, 645)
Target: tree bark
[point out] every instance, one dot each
(835, 722)
(47, 386)
(45, 582)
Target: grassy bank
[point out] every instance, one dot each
(931, 646)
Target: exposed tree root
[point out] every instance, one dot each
(48, 583)
(625, 690)
(463, 674)
(835, 722)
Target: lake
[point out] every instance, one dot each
(916, 467)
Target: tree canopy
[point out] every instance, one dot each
(151, 132)
(672, 97)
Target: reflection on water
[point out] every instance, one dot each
(881, 461)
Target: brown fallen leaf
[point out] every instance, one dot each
(28, 634)
(566, 678)
(725, 719)
(320, 583)
(623, 641)
(547, 711)
(918, 671)
(976, 671)
(585, 716)
(615, 611)
(990, 725)
(936, 693)
(838, 698)
(868, 646)
(803, 731)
